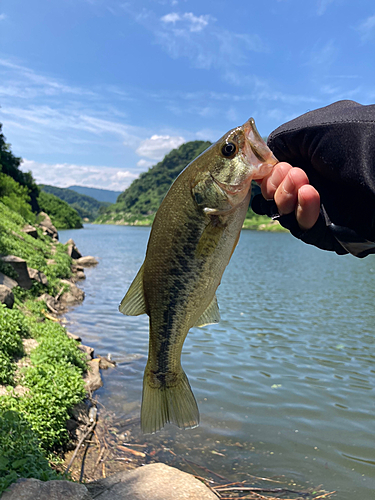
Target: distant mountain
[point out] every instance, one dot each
(139, 202)
(99, 194)
(86, 206)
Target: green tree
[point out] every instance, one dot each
(9, 165)
(62, 215)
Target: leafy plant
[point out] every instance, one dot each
(7, 369)
(20, 452)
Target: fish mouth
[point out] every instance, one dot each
(257, 151)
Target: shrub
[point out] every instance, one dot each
(20, 452)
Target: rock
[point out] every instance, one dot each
(37, 276)
(151, 482)
(74, 337)
(73, 295)
(51, 302)
(47, 226)
(19, 265)
(31, 231)
(32, 489)
(87, 261)
(80, 275)
(73, 251)
(89, 351)
(9, 282)
(93, 379)
(6, 296)
(105, 363)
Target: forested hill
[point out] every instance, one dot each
(143, 197)
(86, 206)
(19, 192)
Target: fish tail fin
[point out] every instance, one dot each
(162, 404)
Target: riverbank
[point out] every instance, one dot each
(252, 222)
(44, 371)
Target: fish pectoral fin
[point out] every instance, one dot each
(211, 314)
(164, 404)
(133, 304)
(209, 239)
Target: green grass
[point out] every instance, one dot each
(33, 425)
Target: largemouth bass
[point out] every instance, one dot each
(194, 234)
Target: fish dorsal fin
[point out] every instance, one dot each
(210, 315)
(133, 304)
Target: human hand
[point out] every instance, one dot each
(289, 187)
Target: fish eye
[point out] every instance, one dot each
(229, 149)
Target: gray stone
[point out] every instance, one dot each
(73, 336)
(89, 351)
(37, 276)
(33, 489)
(6, 296)
(9, 282)
(47, 226)
(151, 482)
(31, 231)
(93, 380)
(87, 261)
(73, 251)
(20, 266)
(74, 294)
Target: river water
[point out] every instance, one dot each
(284, 383)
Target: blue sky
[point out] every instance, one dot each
(93, 92)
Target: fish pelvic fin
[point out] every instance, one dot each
(163, 403)
(133, 304)
(211, 315)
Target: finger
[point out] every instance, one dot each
(286, 195)
(270, 183)
(308, 207)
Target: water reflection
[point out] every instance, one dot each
(288, 373)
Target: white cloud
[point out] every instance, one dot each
(42, 85)
(188, 19)
(65, 174)
(367, 29)
(157, 146)
(3, 17)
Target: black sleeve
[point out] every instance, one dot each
(335, 146)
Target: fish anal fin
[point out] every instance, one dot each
(211, 314)
(162, 404)
(133, 304)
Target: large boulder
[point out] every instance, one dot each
(73, 251)
(6, 296)
(74, 295)
(37, 276)
(33, 489)
(8, 282)
(87, 261)
(151, 482)
(20, 267)
(46, 224)
(31, 231)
